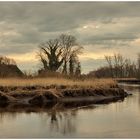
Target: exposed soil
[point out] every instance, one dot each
(44, 96)
(55, 106)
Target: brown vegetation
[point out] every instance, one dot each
(60, 54)
(8, 68)
(40, 91)
(118, 67)
(57, 82)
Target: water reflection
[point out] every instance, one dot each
(114, 120)
(63, 122)
(53, 122)
(135, 90)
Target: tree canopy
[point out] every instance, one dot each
(60, 54)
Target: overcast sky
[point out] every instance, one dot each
(101, 27)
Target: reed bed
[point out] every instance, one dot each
(57, 82)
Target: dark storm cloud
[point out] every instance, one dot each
(58, 16)
(23, 25)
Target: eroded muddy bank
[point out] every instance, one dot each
(55, 106)
(36, 96)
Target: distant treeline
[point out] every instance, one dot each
(118, 67)
(6, 61)
(58, 57)
(8, 68)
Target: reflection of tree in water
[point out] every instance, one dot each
(136, 95)
(7, 116)
(63, 122)
(139, 97)
(135, 91)
(135, 99)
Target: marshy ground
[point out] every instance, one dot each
(44, 91)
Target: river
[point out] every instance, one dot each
(114, 120)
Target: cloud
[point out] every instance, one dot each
(27, 61)
(101, 27)
(92, 64)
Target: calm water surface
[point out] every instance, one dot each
(115, 120)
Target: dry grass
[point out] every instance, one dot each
(125, 78)
(91, 83)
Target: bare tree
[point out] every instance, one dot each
(78, 69)
(50, 55)
(127, 67)
(138, 66)
(72, 64)
(119, 62)
(56, 53)
(109, 61)
(118, 66)
(71, 49)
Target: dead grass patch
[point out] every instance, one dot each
(57, 83)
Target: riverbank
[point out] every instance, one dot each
(128, 80)
(42, 91)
